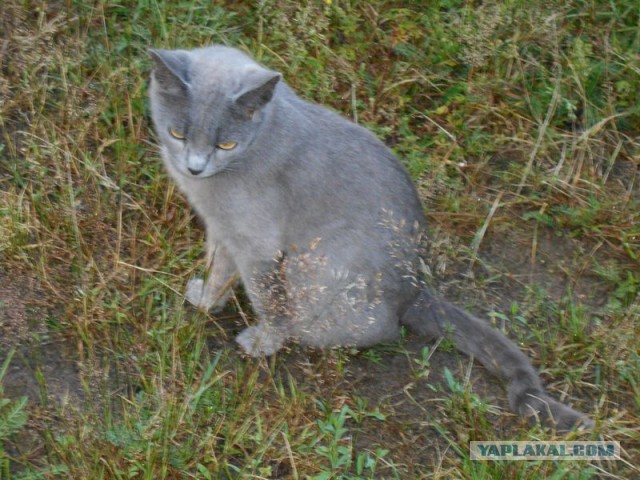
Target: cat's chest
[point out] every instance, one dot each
(249, 214)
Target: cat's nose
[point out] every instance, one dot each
(195, 171)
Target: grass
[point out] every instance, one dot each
(517, 120)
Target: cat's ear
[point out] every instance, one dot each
(256, 89)
(171, 70)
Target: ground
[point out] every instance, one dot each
(404, 401)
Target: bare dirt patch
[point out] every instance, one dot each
(43, 362)
(523, 255)
(43, 366)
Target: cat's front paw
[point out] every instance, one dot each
(195, 294)
(258, 341)
(199, 296)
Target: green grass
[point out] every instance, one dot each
(517, 120)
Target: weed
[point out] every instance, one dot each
(12, 417)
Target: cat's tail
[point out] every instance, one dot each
(434, 317)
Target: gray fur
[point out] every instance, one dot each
(314, 215)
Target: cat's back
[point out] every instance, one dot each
(347, 165)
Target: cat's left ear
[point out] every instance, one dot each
(171, 70)
(256, 89)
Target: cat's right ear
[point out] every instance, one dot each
(171, 70)
(256, 89)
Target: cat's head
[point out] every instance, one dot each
(207, 106)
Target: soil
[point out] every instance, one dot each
(386, 376)
(44, 366)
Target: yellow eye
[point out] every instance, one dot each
(227, 145)
(176, 134)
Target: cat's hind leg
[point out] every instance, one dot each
(296, 299)
(260, 340)
(265, 286)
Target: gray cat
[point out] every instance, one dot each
(314, 215)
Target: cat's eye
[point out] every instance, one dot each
(227, 145)
(176, 134)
